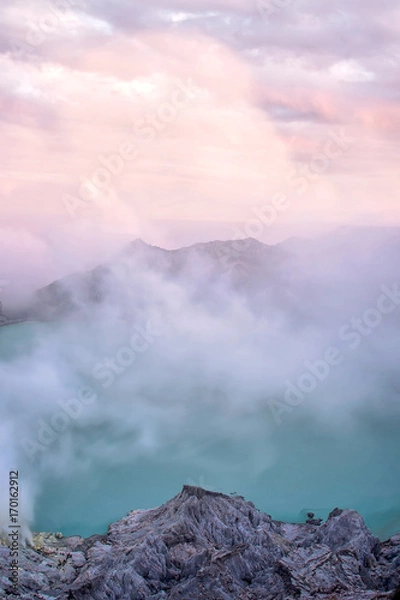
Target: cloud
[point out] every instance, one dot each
(265, 94)
(351, 71)
(200, 156)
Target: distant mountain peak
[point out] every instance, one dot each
(139, 243)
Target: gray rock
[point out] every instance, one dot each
(207, 546)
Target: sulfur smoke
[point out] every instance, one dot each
(266, 371)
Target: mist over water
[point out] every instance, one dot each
(174, 369)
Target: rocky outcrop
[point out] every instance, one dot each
(204, 545)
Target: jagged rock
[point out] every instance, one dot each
(207, 546)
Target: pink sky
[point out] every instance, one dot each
(217, 110)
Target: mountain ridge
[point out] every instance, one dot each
(204, 545)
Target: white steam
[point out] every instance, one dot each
(183, 369)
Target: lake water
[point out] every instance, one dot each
(156, 428)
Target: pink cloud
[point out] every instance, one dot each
(200, 121)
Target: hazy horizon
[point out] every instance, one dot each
(180, 122)
(17, 285)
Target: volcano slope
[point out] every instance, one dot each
(204, 545)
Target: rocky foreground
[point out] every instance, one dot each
(205, 545)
